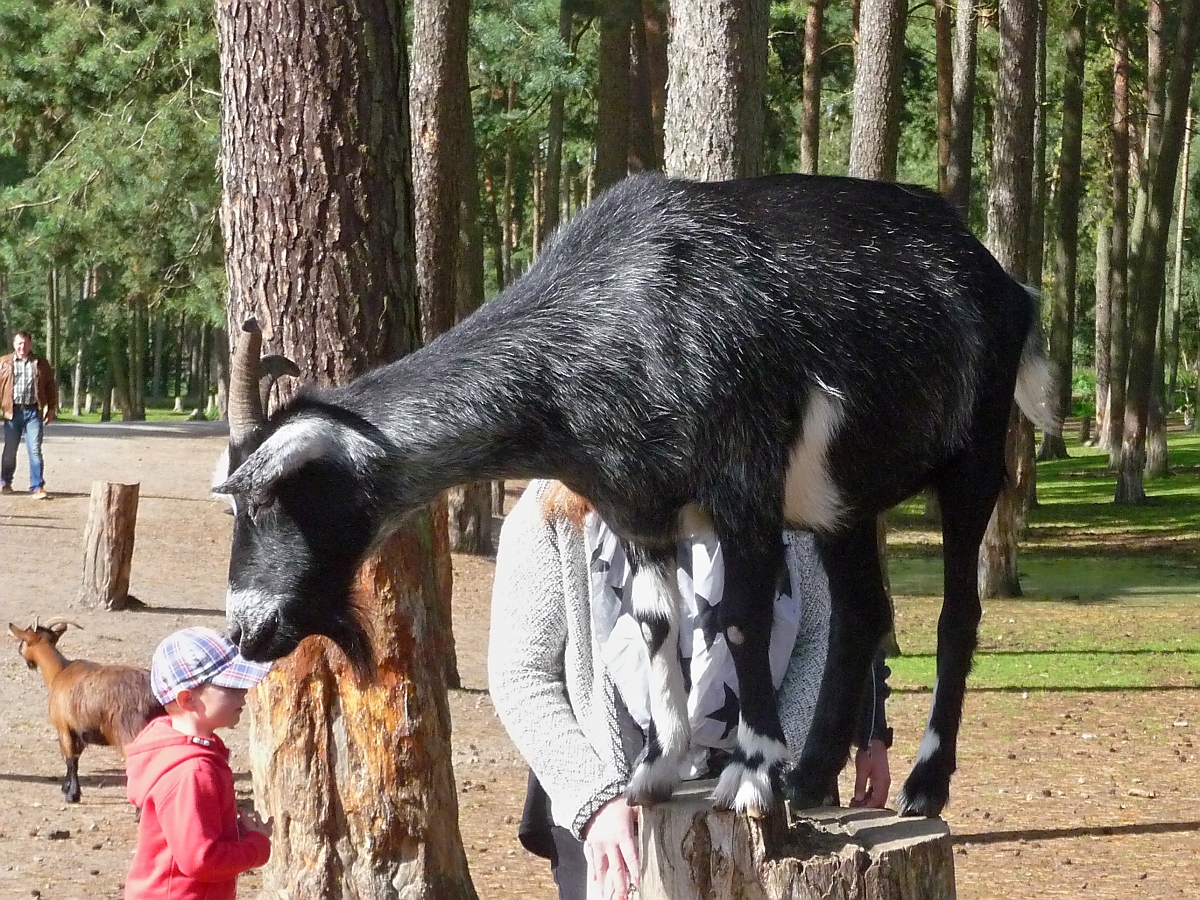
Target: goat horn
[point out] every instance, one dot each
(245, 405)
(271, 369)
(58, 620)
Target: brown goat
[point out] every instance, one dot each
(90, 703)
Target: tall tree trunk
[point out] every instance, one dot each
(118, 366)
(943, 42)
(810, 121)
(716, 95)
(507, 210)
(137, 358)
(469, 506)
(1174, 320)
(612, 97)
(358, 776)
(439, 89)
(875, 131)
(1038, 203)
(1066, 227)
(1103, 312)
(654, 20)
(157, 371)
(962, 118)
(1148, 258)
(554, 138)
(643, 155)
(1008, 237)
(1114, 418)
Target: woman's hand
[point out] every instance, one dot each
(610, 847)
(872, 776)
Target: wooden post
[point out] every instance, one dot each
(108, 545)
(691, 852)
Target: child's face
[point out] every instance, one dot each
(218, 707)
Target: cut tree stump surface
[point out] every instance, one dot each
(690, 851)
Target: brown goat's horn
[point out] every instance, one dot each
(58, 620)
(245, 406)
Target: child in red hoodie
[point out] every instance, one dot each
(192, 842)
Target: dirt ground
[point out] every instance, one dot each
(1058, 793)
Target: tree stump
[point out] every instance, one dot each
(108, 545)
(690, 851)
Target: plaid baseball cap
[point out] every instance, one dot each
(196, 656)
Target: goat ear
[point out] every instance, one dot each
(16, 632)
(293, 445)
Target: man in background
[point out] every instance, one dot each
(28, 399)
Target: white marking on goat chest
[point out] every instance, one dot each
(810, 497)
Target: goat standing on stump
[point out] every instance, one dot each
(738, 356)
(89, 703)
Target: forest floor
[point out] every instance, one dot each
(1091, 788)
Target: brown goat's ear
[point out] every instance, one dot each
(19, 633)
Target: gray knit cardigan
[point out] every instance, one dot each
(560, 708)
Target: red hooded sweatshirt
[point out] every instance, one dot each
(188, 846)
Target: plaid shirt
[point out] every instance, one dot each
(24, 371)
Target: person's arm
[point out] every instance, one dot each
(872, 771)
(526, 669)
(192, 822)
(50, 404)
(802, 681)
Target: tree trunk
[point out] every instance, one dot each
(137, 358)
(689, 851)
(1148, 258)
(1009, 203)
(439, 90)
(1172, 349)
(810, 121)
(944, 55)
(642, 155)
(554, 138)
(875, 132)
(1114, 414)
(221, 358)
(108, 545)
(717, 61)
(1066, 228)
(654, 20)
(157, 385)
(962, 118)
(358, 776)
(1103, 311)
(1040, 189)
(612, 97)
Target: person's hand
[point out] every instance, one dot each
(251, 821)
(50, 416)
(610, 847)
(872, 777)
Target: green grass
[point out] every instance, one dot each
(1112, 593)
(153, 414)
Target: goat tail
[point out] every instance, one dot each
(1036, 393)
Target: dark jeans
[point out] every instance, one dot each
(26, 422)
(540, 836)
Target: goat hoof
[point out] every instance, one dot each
(805, 792)
(652, 782)
(925, 793)
(748, 789)
(71, 797)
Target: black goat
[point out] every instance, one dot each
(740, 355)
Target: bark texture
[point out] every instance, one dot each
(691, 852)
(108, 545)
(717, 64)
(962, 112)
(875, 132)
(318, 222)
(1009, 204)
(1118, 271)
(612, 104)
(1148, 258)
(1066, 227)
(810, 120)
